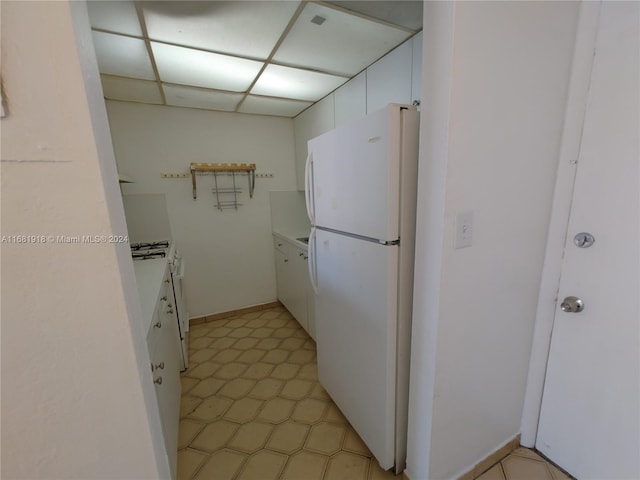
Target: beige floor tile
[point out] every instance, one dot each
(494, 473)
(301, 357)
(222, 465)
(288, 437)
(309, 372)
(325, 438)
(262, 332)
(319, 392)
(226, 356)
(237, 322)
(335, 415)
(309, 411)
(269, 343)
(211, 409)
(237, 388)
(296, 389)
(278, 323)
(207, 387)
(276, 410)
(250, 437)
(187, 430)
(245, 343)
(264, 465)
(257, 322)
(201, 342)
(353, 443)
(526, 452)
(347, 466)
(204, 370)
(285, 371)
(187, 383)
(220, 332)
(267, 388)
(292, 344)
(258, 370)
(198, 331)
(557, 473)
(305, 466)
(188, 463)
(223, 342)
(309, 345)
(377, 473)
(230, 370)
(241, 332)
(214, 436)
(251, 356)
(188, 404)
(270, 314)
(276, 356)
(243, 410)
(202, 355)
(521, 468)
(284, 332)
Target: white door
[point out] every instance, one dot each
(356, 332)
(589, 421)
(354, 176)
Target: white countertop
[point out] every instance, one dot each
(149, 276)
(291, 236)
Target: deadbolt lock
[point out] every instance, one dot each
(572, 305)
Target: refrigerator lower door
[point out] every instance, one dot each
(356, 332)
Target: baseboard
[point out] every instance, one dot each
(233, 313)
(493, 458)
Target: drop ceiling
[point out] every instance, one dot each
(259, 57)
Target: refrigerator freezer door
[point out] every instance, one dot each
(356, 176)
(356, 334)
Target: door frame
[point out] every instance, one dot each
(577, 96)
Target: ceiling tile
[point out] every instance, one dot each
(245, 28)
(123, 56)
(181, 96)
(119, 17)
(341, 43)
(197, 68)
(285, 82)
(273, 106)
(407, 14)
(130, 89)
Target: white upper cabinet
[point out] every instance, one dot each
(389, 79)
(416, 68)
(395, 78)
(351, 99)
(314, 121)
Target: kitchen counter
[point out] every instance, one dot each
(149, 276)
(291, 236)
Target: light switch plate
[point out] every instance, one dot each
(464, 230)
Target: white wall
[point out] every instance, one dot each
(494, 93)
(73, 349)
(228, 254)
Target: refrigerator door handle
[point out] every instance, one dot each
(308, 194)
(312, 261)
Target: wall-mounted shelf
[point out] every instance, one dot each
(224, 169)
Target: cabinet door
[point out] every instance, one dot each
(316, 120)
(284, 288)
(299, 272)
(389, 79)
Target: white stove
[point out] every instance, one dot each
(166, 249)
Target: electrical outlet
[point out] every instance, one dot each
(464, 230)
(264, 175)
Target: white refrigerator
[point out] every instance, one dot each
(361, 182)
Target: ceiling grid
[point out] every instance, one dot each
(260, 57)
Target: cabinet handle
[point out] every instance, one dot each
(158, 324)
(301, 254)
(170, 306)
(286, 260)
(160, 366)
(164, 299)
(170, 311)
(279, 244)
(305, 257)
(167, 281)
(158, 381)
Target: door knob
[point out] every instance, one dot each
(572, 305)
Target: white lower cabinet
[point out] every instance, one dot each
(165, 366)
(292, 283)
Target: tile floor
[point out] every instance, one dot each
(252, 408)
